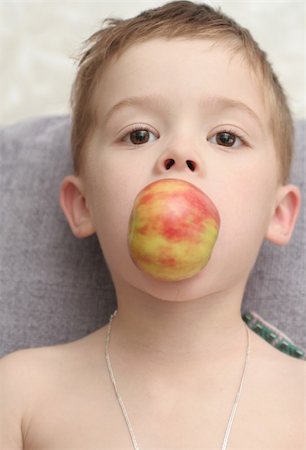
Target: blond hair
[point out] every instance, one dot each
(175, 19)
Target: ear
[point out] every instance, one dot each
(73, 203)
(284, 216)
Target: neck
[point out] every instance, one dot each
(173, 333)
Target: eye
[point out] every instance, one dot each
(228, 138)
(139, 135)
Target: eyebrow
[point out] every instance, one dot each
(156, 102)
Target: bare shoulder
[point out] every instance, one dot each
(278, 384)
(277, 367)
(273, 357)
(37, 363)
(28, 377)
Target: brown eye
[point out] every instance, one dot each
(226, 139)
(138, 136)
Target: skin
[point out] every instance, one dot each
(177, 349)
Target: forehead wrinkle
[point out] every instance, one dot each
(156, 102)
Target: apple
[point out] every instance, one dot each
(172, 229)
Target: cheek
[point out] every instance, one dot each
(245, 206)
(108, 187)
(112, 194)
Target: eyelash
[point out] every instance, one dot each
(238, 135)
(137, 127)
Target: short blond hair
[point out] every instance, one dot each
(175, 19)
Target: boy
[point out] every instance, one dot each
(180, 93)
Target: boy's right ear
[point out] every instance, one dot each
(73, 203)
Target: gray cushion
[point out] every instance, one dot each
(56, 288)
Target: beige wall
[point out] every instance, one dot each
(39, 38)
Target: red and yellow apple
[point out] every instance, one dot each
(172, 229)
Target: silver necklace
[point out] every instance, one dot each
(132, 435)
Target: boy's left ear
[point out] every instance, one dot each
(286, 210)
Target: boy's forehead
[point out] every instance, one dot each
(176, 70)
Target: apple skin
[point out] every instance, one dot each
(172, 229)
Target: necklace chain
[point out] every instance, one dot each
(234, 408)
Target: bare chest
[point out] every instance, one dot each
(88, 417)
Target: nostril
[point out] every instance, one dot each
(191, 165)
(169, 163)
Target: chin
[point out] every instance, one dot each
(193, 288)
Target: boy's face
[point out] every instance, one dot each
(185, 93)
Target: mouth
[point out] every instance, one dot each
(173, 229)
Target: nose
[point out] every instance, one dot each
(180, 159)
(168, 163)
